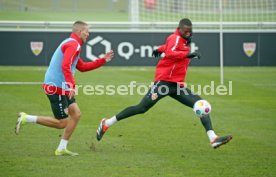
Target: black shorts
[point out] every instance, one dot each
(60, 104)
(161, 89)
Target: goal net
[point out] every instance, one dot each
(205, 10)
(212, 15)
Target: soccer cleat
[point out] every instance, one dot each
(220, 141)
(65, 152)
(20, 121)
(102, 129)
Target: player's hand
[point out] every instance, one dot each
(194, 55)
(72, 94)
(109, 55)
(156, 53)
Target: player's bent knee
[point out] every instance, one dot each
(61, 125)
(79, 114)
(76, 115)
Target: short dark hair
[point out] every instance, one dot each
(185, 22)
(77, 25)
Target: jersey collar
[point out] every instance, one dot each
(177, 33)
(77, 38)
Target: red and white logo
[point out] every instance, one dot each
(154, 96)
(249, 48)
(36, 47)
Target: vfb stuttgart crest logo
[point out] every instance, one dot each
(249, 48)
(96, 41)
(36, 47)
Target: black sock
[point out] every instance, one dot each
(206, 122)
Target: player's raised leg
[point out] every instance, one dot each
(67, 115)
(149, 100)
(59, 105)
(140, 108)
(186, 97)
(24, 119)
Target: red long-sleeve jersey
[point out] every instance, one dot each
(173, 67)
(71, 51)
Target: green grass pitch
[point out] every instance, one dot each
(167, 141)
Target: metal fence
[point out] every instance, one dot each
(138, 26)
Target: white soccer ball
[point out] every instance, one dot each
(202, 108)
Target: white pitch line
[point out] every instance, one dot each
(263, 85)
(21, 83)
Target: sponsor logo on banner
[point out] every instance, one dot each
(92, 42)
(36, 47)
(249, 48)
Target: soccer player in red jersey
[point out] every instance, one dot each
(59, 86)
(169, 81)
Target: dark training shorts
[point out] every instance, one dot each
(60, 104)
(159, 90)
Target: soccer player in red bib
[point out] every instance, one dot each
(169, 81)
(59, 86)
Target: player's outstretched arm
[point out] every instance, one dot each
(70, 52)
(157, 52)
(88, 66)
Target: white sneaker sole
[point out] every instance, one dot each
(73, 154)
(217, 145)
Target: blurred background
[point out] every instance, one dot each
(226, 32)
(139, 10)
